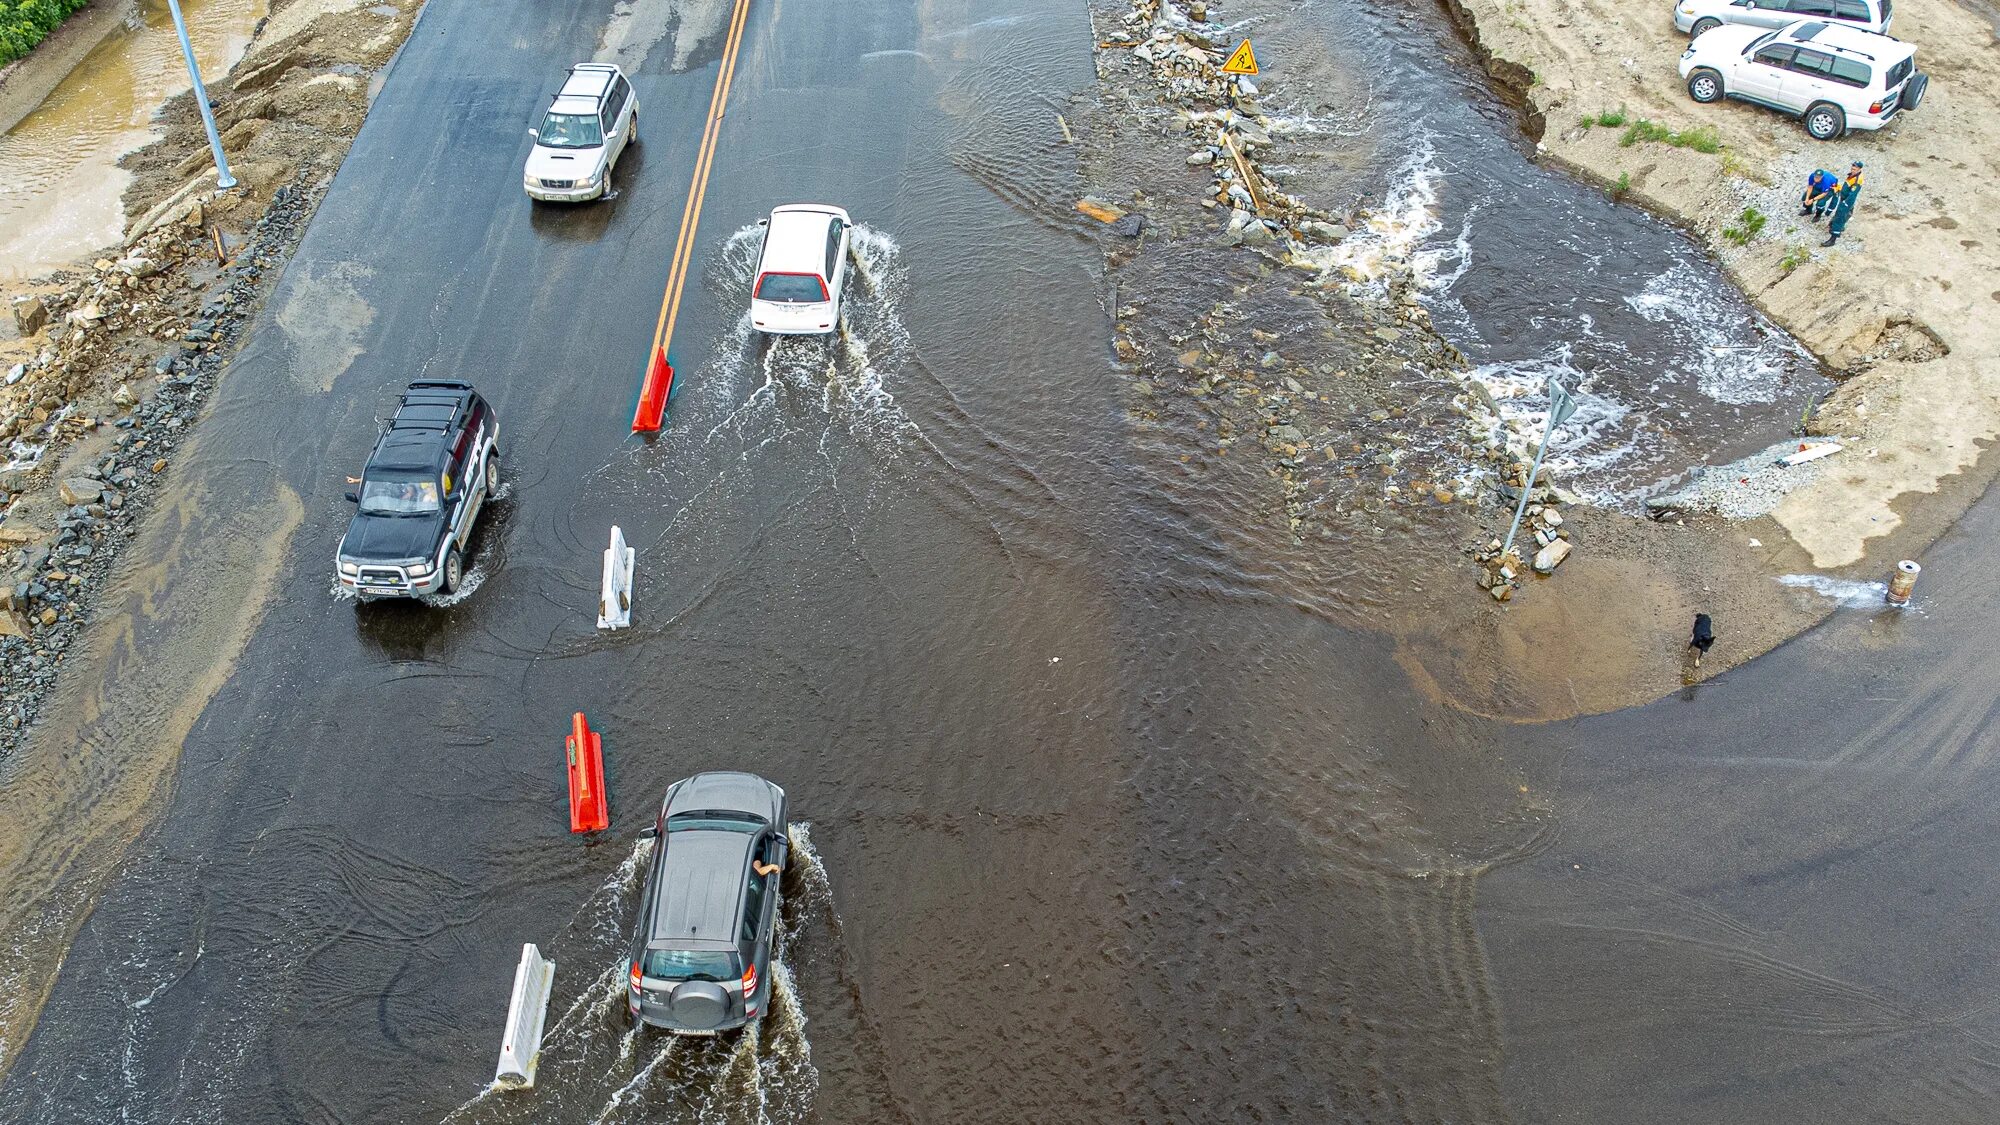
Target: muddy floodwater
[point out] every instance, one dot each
(1112, 806)
(59, 177)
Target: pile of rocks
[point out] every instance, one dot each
(1543, 530)
(100, 408)
(1221, 111)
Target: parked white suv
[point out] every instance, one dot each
(1697, 16)
(589, 125)
(800, 270)
(1833, 78)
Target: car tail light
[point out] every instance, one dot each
(635, 976)
(1875, 108)
(749, 982)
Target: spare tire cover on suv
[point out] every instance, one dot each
(1913, 90)
(699, 1004)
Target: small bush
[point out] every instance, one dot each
(1611, 119)
(1798, 255)
(1747, 226)
(1620, 186)
(1701, 139)
(24, 24)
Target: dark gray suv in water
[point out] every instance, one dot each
(701, 949)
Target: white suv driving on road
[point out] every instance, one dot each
(1697, 16)
(1833, 78)
(800, 270)
(590, 123)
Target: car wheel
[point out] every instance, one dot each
(454, 572)
(1825, 121)
(1703, 24)
(1913, 90)
(1705, 86)
(492, 475)
(635, 129)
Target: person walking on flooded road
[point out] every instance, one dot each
(1843, 207)
(1819, 196)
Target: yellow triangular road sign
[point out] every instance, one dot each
(1244, 61)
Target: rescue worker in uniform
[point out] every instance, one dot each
(1843, 207)
(1819, 195)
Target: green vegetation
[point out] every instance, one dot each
(1747, 227)
(1620, 186)
(1609, 118)
(28, 22)
(1701, 139)
(1798, 255)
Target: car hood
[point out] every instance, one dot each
(564, 163)
(1730, 38)
(387, 539)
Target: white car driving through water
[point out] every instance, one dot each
(1832, 78)
(800, 270)
(590, 123)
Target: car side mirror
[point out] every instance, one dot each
(649, 832)
(763, 222)
(354, 498)
(535, 133)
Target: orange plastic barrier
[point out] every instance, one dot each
(653, 394)
(589, 805)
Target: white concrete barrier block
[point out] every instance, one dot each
(521, 1043)
(614, 602)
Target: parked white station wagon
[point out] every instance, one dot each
(1832, 78)
(591, 122)
(800, 270)
(1697, 16)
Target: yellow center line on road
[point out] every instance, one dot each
(663, 330)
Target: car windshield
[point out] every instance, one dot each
(793, 288)
(713, 819)
(570, 130)
(691, 964)
(399, 496)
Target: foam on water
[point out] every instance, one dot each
(1846, 593)
(1388, 239)
(1723, 364)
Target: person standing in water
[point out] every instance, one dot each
(1843, 206)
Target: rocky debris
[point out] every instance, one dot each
(1742, 489)
(97, 453)
(1543, 530)
(1551, 556)
(30, 314)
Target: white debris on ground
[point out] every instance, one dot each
(1743, 489)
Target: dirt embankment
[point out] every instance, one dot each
(1906, 308)
(114, 358)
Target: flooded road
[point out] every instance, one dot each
(59, 177)
(1110, 813)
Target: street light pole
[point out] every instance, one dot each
(1561, 406)
(222, 177)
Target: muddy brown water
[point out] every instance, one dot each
(1112, 810)
(60, 183)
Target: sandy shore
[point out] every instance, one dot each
(1906, 308)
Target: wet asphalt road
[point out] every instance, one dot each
(1770, 896)
(1101, 841)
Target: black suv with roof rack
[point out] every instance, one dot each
(434, 468)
